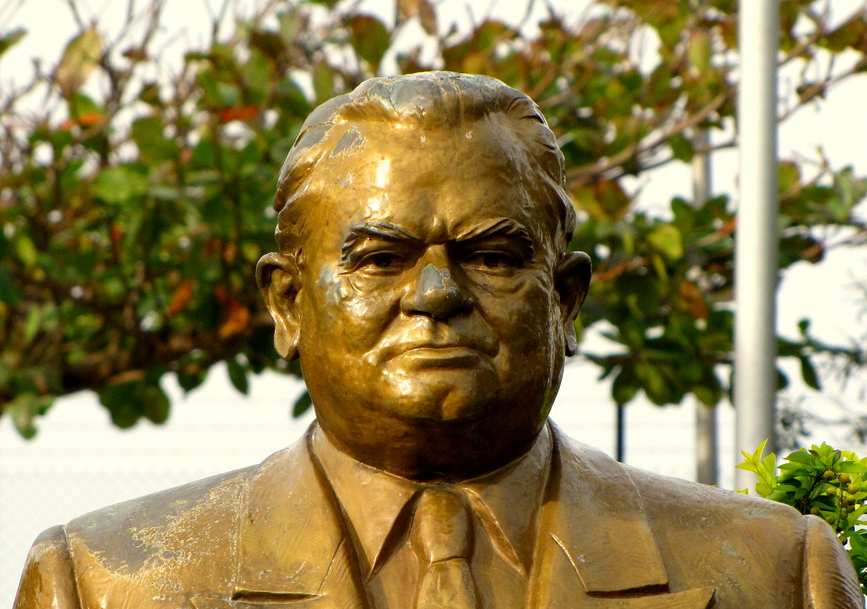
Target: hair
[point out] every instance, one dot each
(432, 100)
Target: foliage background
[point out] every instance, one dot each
(135, 202)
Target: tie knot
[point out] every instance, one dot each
(441, 526)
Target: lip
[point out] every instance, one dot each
(442, 355)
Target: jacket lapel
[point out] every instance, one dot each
(596, 546)
(291, 547)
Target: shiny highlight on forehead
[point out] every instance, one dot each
(424, 101)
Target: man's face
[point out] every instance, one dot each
(426, 284)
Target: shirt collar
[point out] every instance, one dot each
(506, 500)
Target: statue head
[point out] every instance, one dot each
(423, 276)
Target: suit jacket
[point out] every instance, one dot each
(271, 537)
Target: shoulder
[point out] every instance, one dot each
(673, 502)
(749, 549)
(714, 525)
(144, 539)
(143, 552)
(133, 531)
(151, 551)
(694, 500)
(830, 580)
(47, 581)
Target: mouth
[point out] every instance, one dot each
(442, 356)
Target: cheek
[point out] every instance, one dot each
(342, 312)
(526, 320)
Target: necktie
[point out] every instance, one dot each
(442, 537)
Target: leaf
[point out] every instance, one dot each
(84, 110)
(323, 81)
(681, 147)
(8, 288)
(190, 378)
(150, 94)
(119, 184)
(10, 39)
(667, 240)
(31, 325)
(788, 176)
(850, 467)
(808, 373)
(147, 133)
(291, 94)
(710, 391)
(237, 375)
(849, 33)
(155, 403)
(80, 58)
(370, 38)
(694, 299)
(625, 386)
(801, 456)
(268, 42)
(751, 461)
(238, 113)
(121, 402)
(236, 319)
(180, 297)
(301, 405)
(782, 380)
(24, 249)
(653, 381)
(257, 76)
(699, 50)
(423, 9)
(227, 94)
(24, 408)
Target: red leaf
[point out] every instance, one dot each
(181, 297)
(238, 113)
(236, 320)
(88, 119)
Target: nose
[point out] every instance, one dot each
(436, 295)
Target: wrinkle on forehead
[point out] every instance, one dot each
(365, 160)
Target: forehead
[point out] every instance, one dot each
(426, 179)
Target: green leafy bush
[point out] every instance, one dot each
(133, 212)
(823, 481)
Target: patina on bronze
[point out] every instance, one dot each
(423, 280)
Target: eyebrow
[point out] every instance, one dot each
(502, 227)
(383, 231)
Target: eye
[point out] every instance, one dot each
(493, 260)
(382, 262)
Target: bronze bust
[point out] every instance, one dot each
(423, 280)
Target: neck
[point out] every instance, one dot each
(426, 451)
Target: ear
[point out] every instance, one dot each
(278, 279)
(572, 281)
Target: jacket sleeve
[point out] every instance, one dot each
(48, 581)
(830, 581)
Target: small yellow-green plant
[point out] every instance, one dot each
(822, 481)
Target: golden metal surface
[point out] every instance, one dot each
(422, 278)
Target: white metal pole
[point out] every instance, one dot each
(706, 445)
(756, 241)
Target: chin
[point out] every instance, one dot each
(449, 408)
(440, 400)
(439, 394)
